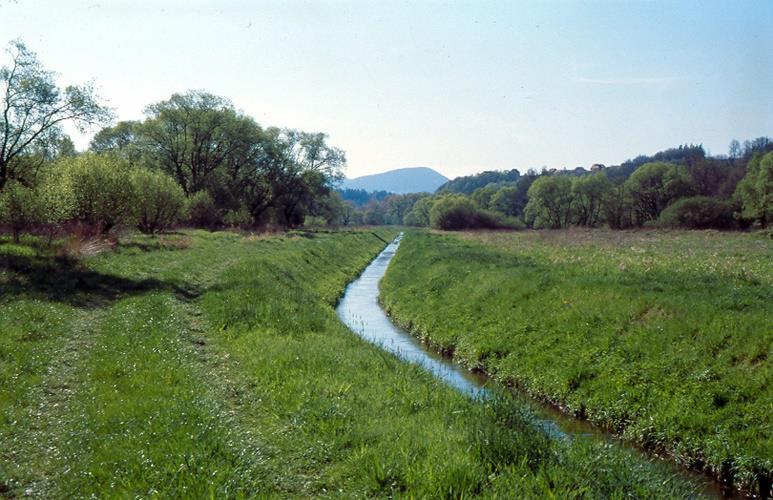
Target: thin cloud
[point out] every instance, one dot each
(648, 80)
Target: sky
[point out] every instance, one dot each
(458, 86)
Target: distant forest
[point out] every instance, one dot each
(677, 187)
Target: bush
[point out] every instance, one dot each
(654, 186)
(512, 223)
(456, 211)
(102, 189)
(19, 207)
(418, 215)
(160, 201)
(755, 191)
(49, 203)
(698, 212)
(488, 219)
(238, 218)
(202, 211)
(314, 221)
(56, 199)
(452, 212)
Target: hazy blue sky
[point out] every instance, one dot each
(458, 86)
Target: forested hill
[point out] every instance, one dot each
(684, 155)
(691, 156)
(400, 181)
(469, 183)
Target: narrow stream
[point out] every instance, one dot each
(359, 309)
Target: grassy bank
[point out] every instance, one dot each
(212, 365)
(663, 337)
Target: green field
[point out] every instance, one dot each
(204, 364)
(663, 337)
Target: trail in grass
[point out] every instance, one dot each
(37, 456)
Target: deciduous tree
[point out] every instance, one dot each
(550, 202)
(102, 188)
(589, 192)
(19, 207)
(33, 108)
(192, 134)
(654, 186)
(755, 191)
(159, 200)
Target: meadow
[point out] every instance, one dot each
(198, 364)
(662, 337)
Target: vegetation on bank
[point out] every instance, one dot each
(663, 337)
(212, 364)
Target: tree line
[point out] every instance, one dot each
(193, 159)
(677, 187)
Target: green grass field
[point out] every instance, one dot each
(664, 337)
(203, 364)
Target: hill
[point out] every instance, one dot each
(399, 181)
(469, 183)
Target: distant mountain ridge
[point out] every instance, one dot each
(399, 181)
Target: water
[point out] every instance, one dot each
(360, 310)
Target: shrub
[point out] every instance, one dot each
(56, 199)
(698, 212)
(488, 219)
(202, 211)
(102, 190)
(238, 218)
(451, 212)
(19, 207)
(418, 215)
(512, 223)
(372, 215)
(49, 203)
(456, 211)
(755, 191)
(314, 221)
(160, 201)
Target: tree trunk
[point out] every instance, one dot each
(3, 173)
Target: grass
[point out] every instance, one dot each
(663, 337)
(213, 365)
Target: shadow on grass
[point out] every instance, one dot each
(61, 279)
(152, 246)
(301, 233)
